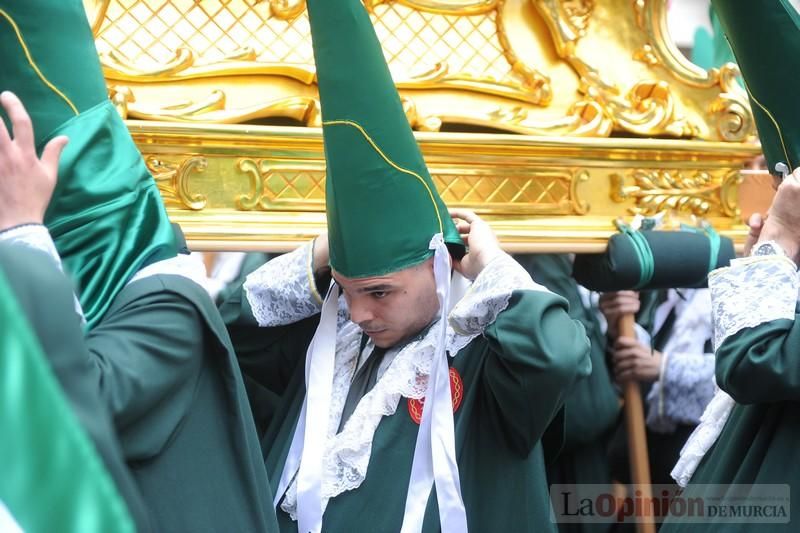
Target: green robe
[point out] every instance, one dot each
(160, 361)
(516, 376)
(592, 408)
(167, 373)
(63, 467)
(760, 443)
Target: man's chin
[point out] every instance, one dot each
(382, 339)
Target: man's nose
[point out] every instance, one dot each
(360, 312)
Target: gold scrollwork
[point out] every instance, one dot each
(579, 207)
(534, 83)
(213, 108)
(121, 96)
(648, 107)
(729, 112)
(651, 17)
(698, 193)
(286, 9)
(173, 177)
(418, 122)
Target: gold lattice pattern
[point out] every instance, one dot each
(148, 33)
(308, 186)
(503, 190)
(467, 44)
(293, 185)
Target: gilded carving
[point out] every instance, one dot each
(534, 83)
(698, 193)
(728, 113)
(286, 9)
(212, 107)
(452, 7)
(301, 187)
(279, 187)
(172, 178)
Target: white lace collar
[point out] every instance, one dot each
(347, 453)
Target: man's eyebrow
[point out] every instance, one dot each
(381, 287)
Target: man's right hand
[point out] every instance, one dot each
(615, 304)
(783, 223)
(26, 181)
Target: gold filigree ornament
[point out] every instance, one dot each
(697, 193)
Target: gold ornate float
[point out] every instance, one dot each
(551, 117)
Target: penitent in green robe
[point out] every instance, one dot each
(757, 329)
(161, 363)
(45, 298)
(62, 468)
(515, 377)
(592, 408)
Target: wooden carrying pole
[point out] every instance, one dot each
(637, 437)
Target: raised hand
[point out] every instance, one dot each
(481, 242)
(26, 180)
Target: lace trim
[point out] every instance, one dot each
(282, 291)
(686, 382)
(752, 291)
(686, 388)
(703, 437)
(181, 265)
(37, 236)
(348, 453)
(493, 286)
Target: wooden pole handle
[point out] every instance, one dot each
(637, 436)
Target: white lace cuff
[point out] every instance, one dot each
(703, 437)
(489, 294)
(752, 291)
(33, 236)
(683, 391)
(283, 290)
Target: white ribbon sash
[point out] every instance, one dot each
(435, 450)
(307, 450)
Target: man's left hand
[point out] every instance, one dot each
(635, 361)
(481, 241)
(26, 181)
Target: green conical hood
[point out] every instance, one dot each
(765, 38)
(382, 205)
(106, 215)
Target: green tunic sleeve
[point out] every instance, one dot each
(146, 356)
(537, 354)
(591, 410)
(761, 364)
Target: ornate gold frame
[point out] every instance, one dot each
(607, 123)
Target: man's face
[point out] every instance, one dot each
(393, 307)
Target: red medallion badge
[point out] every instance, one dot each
(456, 391)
